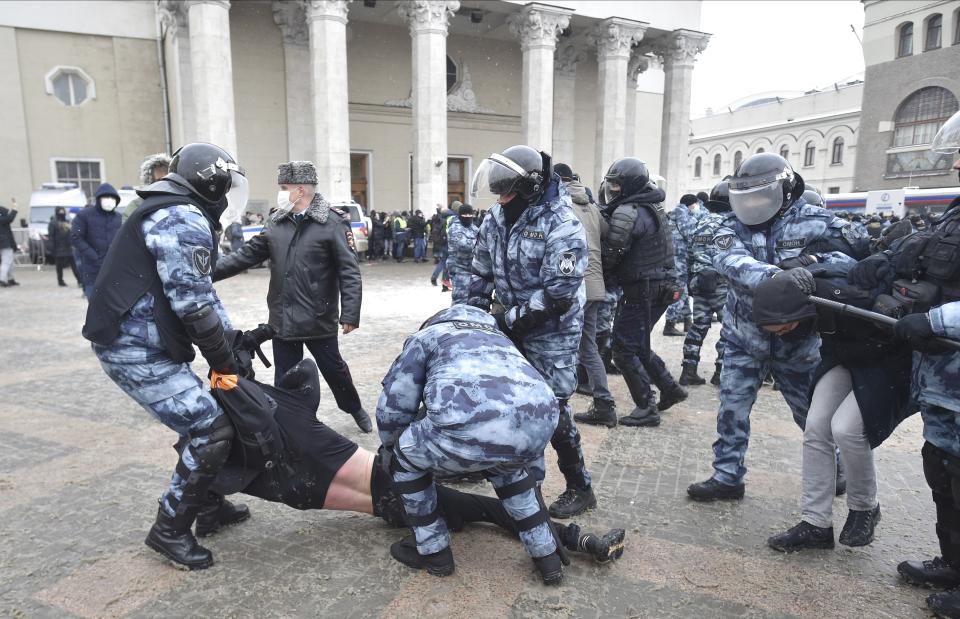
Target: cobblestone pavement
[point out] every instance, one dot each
(81, 466)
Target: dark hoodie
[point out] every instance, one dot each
(92, 231)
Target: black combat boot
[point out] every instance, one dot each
(550, 568)
(433, 281)
(687, 323)
(605, 548)
(171, 537)
(362, 420)
(572, 502)
(858, 531)
(945, 604)
(437, 564)
(933, 574)
(715, 379)
(600, 413)
(713, 490)
(803, 536)
(217, 512)
(670, 329)
(642, 417)
(673, 394)
(689, 375)
(645, 413)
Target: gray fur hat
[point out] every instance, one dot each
(161, 160)
(297, 173)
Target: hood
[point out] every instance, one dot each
(650, 194)
(319, 210)
(578, 193)
(106, 189)
(460, 312)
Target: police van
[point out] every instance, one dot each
(359, 222)
(900, 202)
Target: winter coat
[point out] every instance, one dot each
(58, 231)
(417, 227)
(92, 231)
(595, 227)
(313, 270)
(7, 216)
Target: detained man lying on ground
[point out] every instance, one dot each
(297, 460)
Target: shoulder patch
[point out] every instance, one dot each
(201, 260)
(338, 211)
(724, 242)
(568, 263)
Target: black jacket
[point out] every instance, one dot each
(638, 245)
(417, 226)
(313, 270)
(58, 231)
(6, 234)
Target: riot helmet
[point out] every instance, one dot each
(719, 200)
(812, 197)
(624, 178)
(519, 171)
(762, 187)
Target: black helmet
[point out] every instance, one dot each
(630, 173)
(719, 201)
(519, 169)
(764, 185)
(812, 196)
(206, 169)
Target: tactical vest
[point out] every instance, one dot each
(927, 265)
(650, 257)
(129, 271)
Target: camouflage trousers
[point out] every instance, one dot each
(608, 311)
(424, 456)
(680, 310)
(740, 381)
(187, 412)
(704, 307)
(461, 287)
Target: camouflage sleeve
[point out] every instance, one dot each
(736, 263)
(680, 246)
(180, 240)
(945, 320)
(564, 263)
(481, 276)
(403, 387)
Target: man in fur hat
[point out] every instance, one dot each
(152, 169)
(314, 273)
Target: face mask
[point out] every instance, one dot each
(284, 205)
(108, 204)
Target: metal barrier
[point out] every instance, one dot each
(28, 253)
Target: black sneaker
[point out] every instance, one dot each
(573, 501)
(945, 604)
(437, 564)
(689, 376)
(641, 418)
(433, 281)
(604, 549)
(670, 329)
(550, 568)
(803, 536)
(858, 531)
(713, 490)
(670, 397)
(362, 420)
(715, 379)
(600, 413)
(933, 574)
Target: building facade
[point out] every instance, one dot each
(396, 102)
(911, 50)
(817, 132)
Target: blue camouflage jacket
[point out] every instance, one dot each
(481, 396)
(701, 249)
(460, 243)
(745, 257)
(683, 223)
(536, 270)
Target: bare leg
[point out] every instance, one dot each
(350, 489)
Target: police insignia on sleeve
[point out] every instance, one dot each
(201, 260)
(724, 242)
(568, 263)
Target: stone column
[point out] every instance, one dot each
(614, 38)
(564, 102)
(291, 17)
(327, 24)
(678, 51)
(638, 64)
(211, 64)
(537, 26)
(428, 21)
(173, 15)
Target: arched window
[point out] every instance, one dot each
(761, 150)
(905, 40)
(451, 74)
(809, 152)
(785, 152)
(716, 164)
(737, 160)
(697, 167)
(921, 115)
(934, 30)
(836, 157)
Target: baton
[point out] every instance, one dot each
(874, 317)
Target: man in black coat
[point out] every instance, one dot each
(314, 273)
(7, 246)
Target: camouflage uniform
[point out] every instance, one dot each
(683, 222)
(537, 270)
(137, 360)
(746, 257)
(708, 288)
(460, 242)
(487, 409)
(608, 311)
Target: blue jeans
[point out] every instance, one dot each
(442, 265)
(590, 355)
(419, 248)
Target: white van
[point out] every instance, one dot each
(43, 203)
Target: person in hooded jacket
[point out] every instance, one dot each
(58, 231)
(92, 231)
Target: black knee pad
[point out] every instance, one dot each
(519, 487)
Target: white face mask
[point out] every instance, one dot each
(108, 204)
(284, 205)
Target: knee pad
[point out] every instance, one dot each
(210, 456)
(519, 487)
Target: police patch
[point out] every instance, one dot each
(792, 243)
(201, 260)
(536, 235)
(568, 263)
(724, 242)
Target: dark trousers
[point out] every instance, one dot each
(639, 310)
(942, 471)
(62, 262)
(333, 368)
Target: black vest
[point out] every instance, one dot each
(650, 257)
(928, 263)
(129, 271)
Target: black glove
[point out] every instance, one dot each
(870, 272)
(915, 330)
(802, 278)
(499, 314)
(802, 260)
(254, 337)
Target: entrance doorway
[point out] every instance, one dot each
(456, 179)
(359, 185)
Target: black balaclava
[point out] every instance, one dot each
(513, 209)
(60, 214)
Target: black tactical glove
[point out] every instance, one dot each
(870, 272)
(802, 260)
(916, 330)
(253, 338)
(802, 279)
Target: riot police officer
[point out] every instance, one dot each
(532, 251)
(771, 232)
(639, 258)
(461, 238)
(153, 301)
